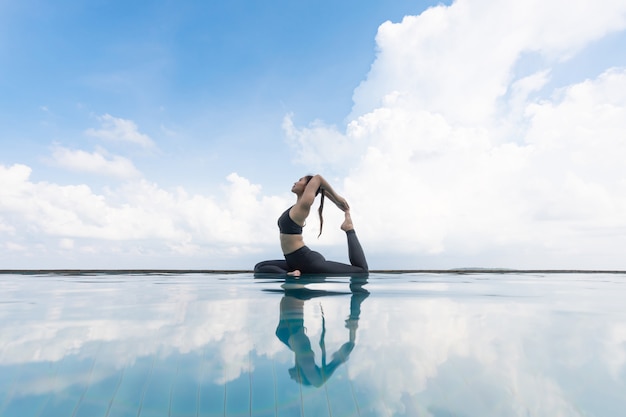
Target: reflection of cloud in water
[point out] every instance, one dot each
(545, 354)
(119, 323)
(505, 346)
(616, 350)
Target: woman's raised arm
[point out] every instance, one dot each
(339, 201)
(318, 182)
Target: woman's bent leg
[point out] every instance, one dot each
(311, 262)
(278, 266)
(355, 251)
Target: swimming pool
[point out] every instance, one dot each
(413, 344)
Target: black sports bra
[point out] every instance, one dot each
(287, 226)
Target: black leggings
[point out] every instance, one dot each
(310, 262)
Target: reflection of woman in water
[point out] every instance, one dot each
(291, 332)
(299, 259)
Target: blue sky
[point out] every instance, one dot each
(203, 79)
(161, 135)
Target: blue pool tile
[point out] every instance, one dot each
(153, 413)
(237, 395)
(158, 392)
(23, 405)
(288, 393)
(129, 390)
(263, 390)
(210, 399)
(105, 389)
(342, 401)
(366, 401)
(315, 402)
(119, 410)
(58, 406)
(184, 392)
(8, 375)
(91, 409)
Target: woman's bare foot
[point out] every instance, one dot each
(295, 273)
(347, 223)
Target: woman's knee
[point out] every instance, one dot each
(259, 265)
(271, 266)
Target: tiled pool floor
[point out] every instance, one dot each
(394, 345)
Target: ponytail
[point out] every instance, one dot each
(320, 209)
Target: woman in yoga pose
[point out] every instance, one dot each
(299, 259)
(291, 331)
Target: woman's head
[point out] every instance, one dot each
(300, 185)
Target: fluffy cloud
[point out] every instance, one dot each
(121, 130)
(462, 150)
(136, 219)
(463, 188)
(319, 146)
(97, 162)
(459, 60)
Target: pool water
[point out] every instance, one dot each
(412, 344)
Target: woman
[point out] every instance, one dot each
(292, 332)
(299, 259)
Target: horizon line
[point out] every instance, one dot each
(78, 271)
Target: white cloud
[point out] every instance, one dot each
(66, 244)
(121, 130)
(97, 162)
(460, 154)
(138, 220)
(14, 247)
(459, 60)
(319, 146)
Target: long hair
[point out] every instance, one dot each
(321, 207)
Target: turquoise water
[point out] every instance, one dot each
(393, 345)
